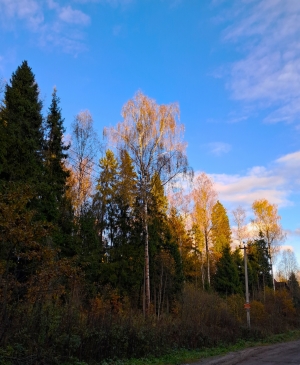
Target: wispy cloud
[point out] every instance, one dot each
(29, 11)
(174, 3)
(73, 16)
(113, 3)
(267, 33)
(291, 160)
(276, 183)
(218, 148)
(286, 247)
(293, 233)
(117, 2)
(244, 189)
(64, 30)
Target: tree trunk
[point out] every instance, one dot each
(207, 259)
(147, 275)
(160, 295)
(271, 263)
(202, 273)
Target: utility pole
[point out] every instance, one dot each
(247, 304)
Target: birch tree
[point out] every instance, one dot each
(83, 151)
(205, 198)
(239, 218)
(288, 264)
(153, 137)
(267, 221)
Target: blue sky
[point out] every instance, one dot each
(233, 67)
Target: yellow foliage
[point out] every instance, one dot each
(258, 312)
(79, 185)
(267, 221)
(285, 303)
(235, 305)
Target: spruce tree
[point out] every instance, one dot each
(259, 265)
(22, 171)
(188, 250)
(3, 125)
(165, 260)
(55, 157)
(127, 253)
(104, 201)
(22, 161)
(57, 205)
(127, 186)
(239, 262)
(226, 279)
(116, 211)
(295, 289)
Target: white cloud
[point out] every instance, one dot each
(237, 119)
(62, 31)
(240, 189)
(52, 4)
(275, 183)
(286, 247)
(28, 10)
(69, 15)
(290, 160)
(268, 73)
(293, 233)
(218, 148)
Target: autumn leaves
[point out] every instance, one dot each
(210, 219)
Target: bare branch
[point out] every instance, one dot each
(239, 217)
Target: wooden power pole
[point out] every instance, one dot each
(247, 304)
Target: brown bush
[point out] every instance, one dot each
(57, 330)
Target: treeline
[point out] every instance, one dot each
(110, 259)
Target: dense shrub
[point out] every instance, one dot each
(75, 331)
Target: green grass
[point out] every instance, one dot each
(182, 356)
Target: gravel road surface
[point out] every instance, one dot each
(282, 353)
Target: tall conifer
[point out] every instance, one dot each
(220, 230)
(104, 200)
(22, 123)
(226, 279)
(165, 260)
(3, 125)
(259, 264)
(55, 156)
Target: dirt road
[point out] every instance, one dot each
(282, 353)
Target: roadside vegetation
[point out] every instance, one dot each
(184, 356)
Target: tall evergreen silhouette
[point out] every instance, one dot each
(226, 280)
(22, 160)
(55, 156)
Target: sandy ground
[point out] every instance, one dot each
(282, 353)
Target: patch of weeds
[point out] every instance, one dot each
(184, 356)
(74, 361)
